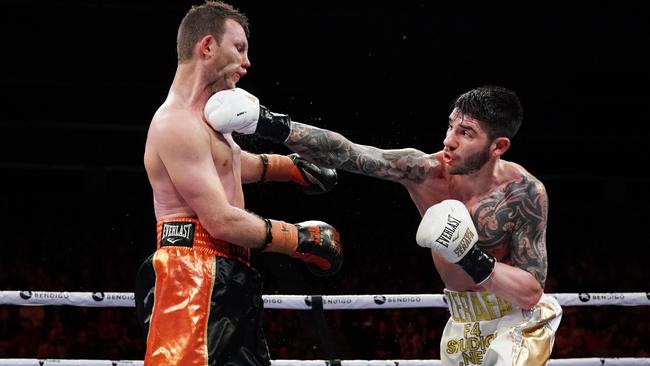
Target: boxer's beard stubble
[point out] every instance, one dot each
(473, 162)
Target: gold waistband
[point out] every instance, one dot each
(476, 306)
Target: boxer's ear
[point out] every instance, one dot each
(499, 146)
(207, 46)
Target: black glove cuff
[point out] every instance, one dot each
(478, 264)
(273, 126)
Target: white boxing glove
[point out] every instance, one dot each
(236, 110)
(233, 110)
(447, 229)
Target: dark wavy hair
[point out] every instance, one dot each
(498, 109)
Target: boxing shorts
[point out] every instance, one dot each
(199, 301)
(484, 329)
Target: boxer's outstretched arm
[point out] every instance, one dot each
(236, 110)
(308, 177)
(333, 150)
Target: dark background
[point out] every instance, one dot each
(82, 79)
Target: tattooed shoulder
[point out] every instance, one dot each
(528, 251)
(512, 225)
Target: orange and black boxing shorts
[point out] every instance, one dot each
(199, 301)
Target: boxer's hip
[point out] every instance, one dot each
(187, 232)
(196, 296)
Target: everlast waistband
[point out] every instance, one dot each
(476, 306)
(188, 232)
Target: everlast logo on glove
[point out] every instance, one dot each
(464, 243)
(178, 234)
(448, 232)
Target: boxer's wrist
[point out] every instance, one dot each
(276, 168)
(478, 264)
(273, 126)
(281, 237)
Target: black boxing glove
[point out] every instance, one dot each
(316, 243)
(310, 178)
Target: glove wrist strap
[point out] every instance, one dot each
(478, 264)
(281, 237)
(273, 126)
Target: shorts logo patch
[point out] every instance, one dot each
(178, 233)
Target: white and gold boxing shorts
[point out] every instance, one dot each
(484, 329)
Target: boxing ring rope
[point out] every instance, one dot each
(328, 302)
(627, 361)
(303, 302)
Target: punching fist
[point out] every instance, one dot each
(315, 242)
(447, 229)
(311, 178)
(236, 110)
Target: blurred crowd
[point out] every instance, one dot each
(113, 333)
(41, 263)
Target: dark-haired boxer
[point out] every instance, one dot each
(494, 275)
(197, 297)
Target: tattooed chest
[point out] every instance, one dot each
(495, 222)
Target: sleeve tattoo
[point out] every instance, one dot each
(513, 227)
(332, 150)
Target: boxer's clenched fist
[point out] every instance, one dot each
(447, 229)
(236, 110)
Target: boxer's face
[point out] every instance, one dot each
(231, 59)
(466, 145)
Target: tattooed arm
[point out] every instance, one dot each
(234, 110)
(520, 276)
(333, 150)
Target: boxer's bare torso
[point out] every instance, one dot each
(511, 199)
(168, 202)
(508, 205)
